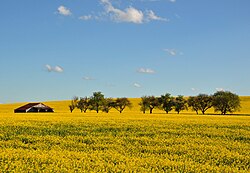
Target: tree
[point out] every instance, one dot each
(193, 103)
(96, 101)
(202, 103)
(121, 103)
(205, 102)
(180, 104)
(225, 101)
(144, 103)
(73, 104)
(148, 103)
(83, 104)
(166, 102)
(153, 103)
(108, 104)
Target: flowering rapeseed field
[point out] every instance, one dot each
(127, 142)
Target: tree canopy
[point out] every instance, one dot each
(180, 104)
(202, 103)
(96, 101)
(166, 102)
(226, 101)
(83, 104)
(222, 101)
(121, 103)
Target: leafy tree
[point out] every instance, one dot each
(148, 103)
(193, 103)
(205, 102)
(225, 101)
(166, 102)
(144, 103)
(153, 103)
(108, 104)
(96, 101)
(73, 103)
(180, 104)
(202, 103)
(83, 104)
(121, 103)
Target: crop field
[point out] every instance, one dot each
(127, 142)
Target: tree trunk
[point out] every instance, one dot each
(151, 110)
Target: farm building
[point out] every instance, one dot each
(33, 107)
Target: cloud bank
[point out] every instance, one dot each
(130, 14)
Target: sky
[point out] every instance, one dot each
(57, 49)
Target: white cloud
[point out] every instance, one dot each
(57, 69)
(219, 89)
(64, 11)
(146, 70)
(151, 16)
(49, 68)
(193, 89)
(172, 1)
(171, 52)
(130, 14)
(87, 78)
(137, 85)
(86, 17)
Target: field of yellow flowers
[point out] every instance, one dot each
(127, 142)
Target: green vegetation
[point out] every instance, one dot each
(166, 102)
(98, 102)
(202, 103)
(222, 101)
(225, 101)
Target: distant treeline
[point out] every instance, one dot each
(222, 101)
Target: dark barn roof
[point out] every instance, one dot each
(34, 107)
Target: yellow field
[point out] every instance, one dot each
(127, 142)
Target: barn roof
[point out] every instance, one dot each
(30, 105)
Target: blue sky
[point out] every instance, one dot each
(56, 49)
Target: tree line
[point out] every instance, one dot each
(98, 102)
(222, 101)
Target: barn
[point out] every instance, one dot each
(34, 107)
